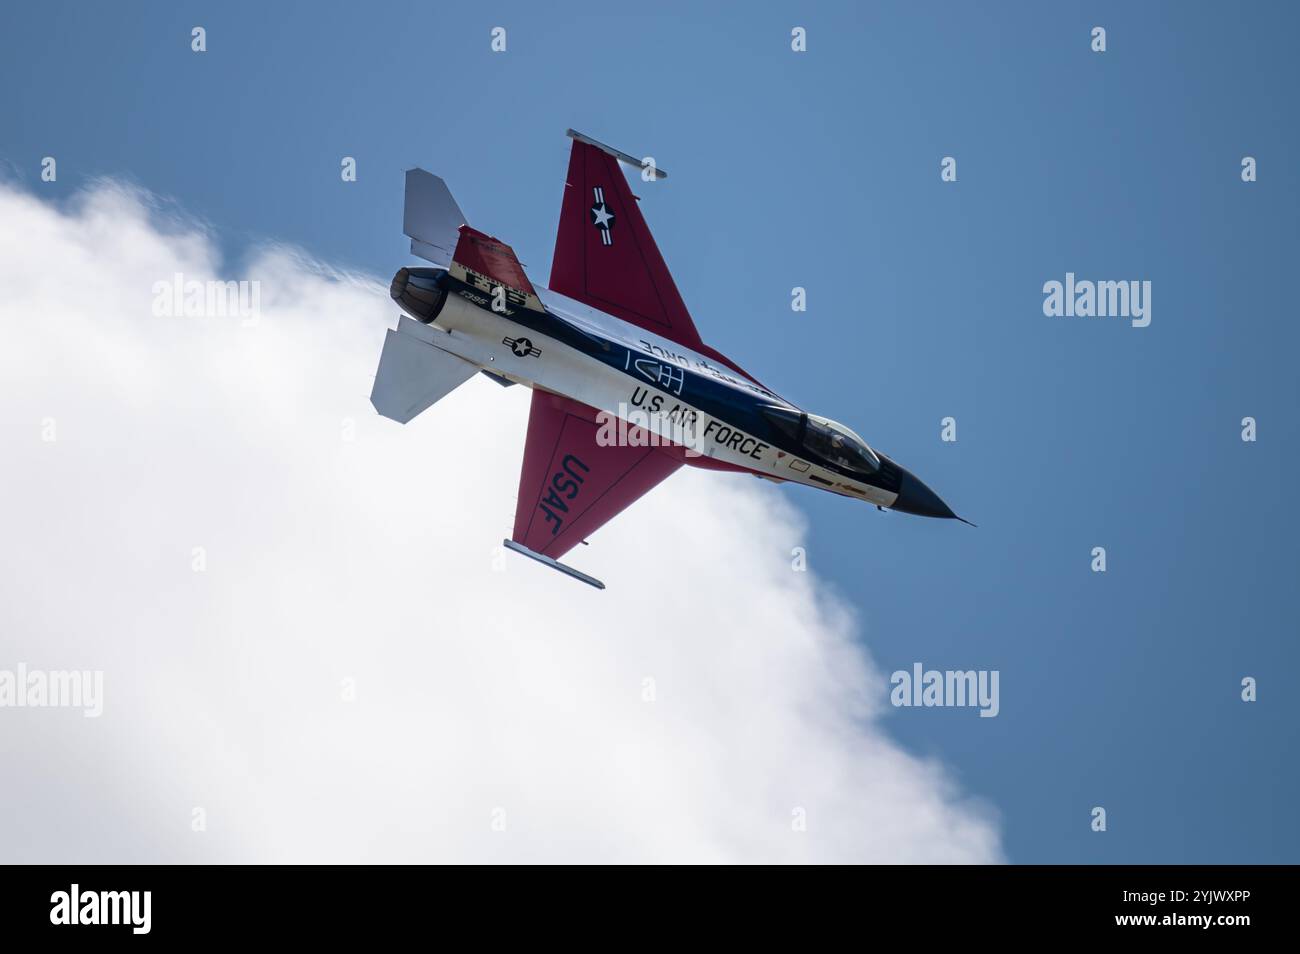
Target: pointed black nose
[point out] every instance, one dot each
(916, 498)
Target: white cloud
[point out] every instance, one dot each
(372, 560)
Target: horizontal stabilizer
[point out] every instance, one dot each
(413, 374)
(431, 217)
(554, 564)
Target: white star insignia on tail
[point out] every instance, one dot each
(601, 217)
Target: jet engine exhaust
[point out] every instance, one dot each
(419, 292)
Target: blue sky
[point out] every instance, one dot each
(821, 170)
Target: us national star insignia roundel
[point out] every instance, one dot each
(602, 217)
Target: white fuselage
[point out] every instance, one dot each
(650, 394)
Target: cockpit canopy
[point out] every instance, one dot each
(825, 440)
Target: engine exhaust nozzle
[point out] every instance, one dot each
(419, 291)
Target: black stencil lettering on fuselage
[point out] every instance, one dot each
(682, 415)
(654, 404)
(564, 486)
(666, 354)
(733, 439)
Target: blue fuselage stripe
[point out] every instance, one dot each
(735, 405)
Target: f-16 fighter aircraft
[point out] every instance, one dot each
(624, 389)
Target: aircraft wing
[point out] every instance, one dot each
(605, 256)
(570, 485)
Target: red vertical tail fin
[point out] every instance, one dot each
(491, 266)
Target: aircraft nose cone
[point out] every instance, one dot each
(916, 498)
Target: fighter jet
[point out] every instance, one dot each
(624, 390)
